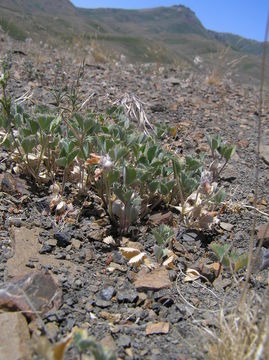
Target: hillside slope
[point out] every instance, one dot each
(164, 34)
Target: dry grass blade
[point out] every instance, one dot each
(243, 335)
(260, 110)
(25, 97)
(134, 109)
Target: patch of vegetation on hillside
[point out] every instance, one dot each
(13, 30)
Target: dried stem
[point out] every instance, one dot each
(251, 241)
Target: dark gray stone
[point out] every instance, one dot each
(107, 293)
(102, 303)
(124, 341)
(127, 296)
(63, 238)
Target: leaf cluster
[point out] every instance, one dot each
(228, 257)
(127, 166)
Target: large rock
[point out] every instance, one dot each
(14, 337)
(35, 293)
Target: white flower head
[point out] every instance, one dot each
(106, 162)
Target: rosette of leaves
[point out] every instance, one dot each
(163, 236)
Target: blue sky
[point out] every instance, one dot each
(242, 17)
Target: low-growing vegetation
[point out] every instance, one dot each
(128, 168)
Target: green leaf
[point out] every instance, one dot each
(18, 120)
(153, 186)
(107, 145)
(80, 121)
(28, 143)
(62, 161)
(113, 177)
(229, 152)
(170, 185)
(71, 156)
(177, 167)
(33, 125)
(129, 175)
(162, 234)
(55, 123)
(24, 132)
(192, 164)
(158, 236)
(4, 123)
(44, 122)
(121, 194)
(131, 140)
(219, 250)
(19, 109)
(142, 160)
(219, 197)
(151, 153)
(214, 144)
(90, 126)
(7, 141)
(241, 262)
(131, 213)
(118, 152)
(164, 189)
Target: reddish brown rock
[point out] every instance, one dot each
(155, 280)
(31, 294)
(159, 218)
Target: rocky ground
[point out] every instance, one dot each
(138, 313)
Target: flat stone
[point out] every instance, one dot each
(26, 246)
(155, 280)
(192, 236)
(33, 293)
(157, 328)
(14, 337)
(102, 303)
(127, 296)
(226, 226)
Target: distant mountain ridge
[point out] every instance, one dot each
(162, 34)
(64, 7)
